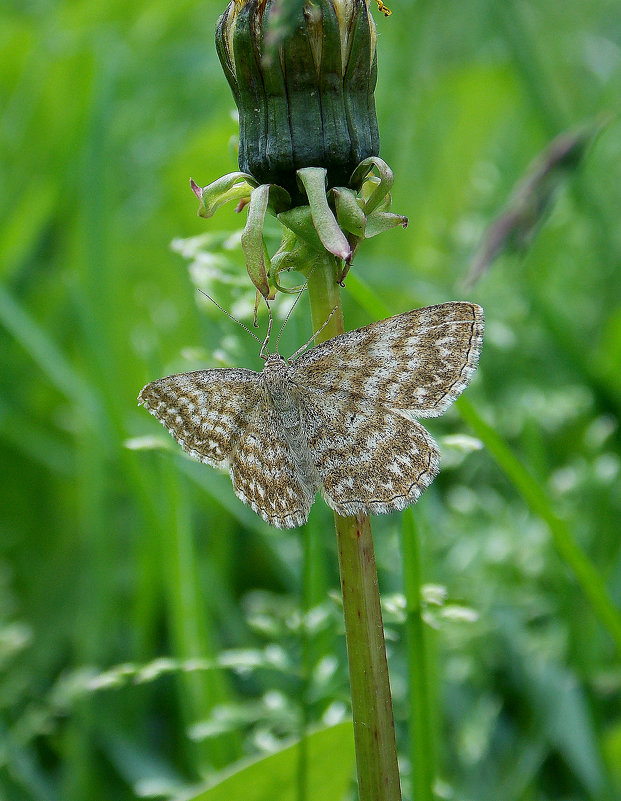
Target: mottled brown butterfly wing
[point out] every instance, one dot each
(350, 428)
(363, 392)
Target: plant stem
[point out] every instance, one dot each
(374, 729)
(324, 295)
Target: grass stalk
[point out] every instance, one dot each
(306, 664)
(189, 627)
(421, 750)
(374, 730)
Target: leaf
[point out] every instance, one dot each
(350, 216)
(330, 760)
(252, 239)
(233, 186)
(381, 221)
(381, 188)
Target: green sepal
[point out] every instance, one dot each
(222, 50)
(276, 165)
(337, 146)
(250, 91)
(295, 255)
(359, 86)
(279, 199)
(384, 204)
(252, 245)
(233, 186)
(349, 215)
(381, 221)
(300, 221)
(283, 259)
(386, 180)
(281, 22)
(368, 188)
(303, 118)
(313, 180)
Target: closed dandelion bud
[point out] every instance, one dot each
(303, 84)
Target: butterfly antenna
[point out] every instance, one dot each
(234, 319)
(314, 336)
(295, 303)
(269, 331)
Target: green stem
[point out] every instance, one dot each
(307, 603)
(374, 730)
(421, 747)
(324, 295)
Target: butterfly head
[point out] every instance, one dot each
(274, 362)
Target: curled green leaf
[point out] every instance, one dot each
(252, 239)
(279, 199)
(300, 221)
(233, 186)
(382, 188)
(293, 254)
(313, 180)
(349, 215)
(381, 221)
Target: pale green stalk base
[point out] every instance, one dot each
(374, 729)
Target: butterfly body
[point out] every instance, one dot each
(281, 389)
(340, 419)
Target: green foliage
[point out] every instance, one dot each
(153, 631)
(275, 778)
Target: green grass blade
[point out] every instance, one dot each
(189, 625)
(45, 353)
(586, 574)
(421, 750)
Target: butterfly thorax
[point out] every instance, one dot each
(278, 387)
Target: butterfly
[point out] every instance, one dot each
(340, 419)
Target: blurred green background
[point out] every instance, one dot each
(120, 565)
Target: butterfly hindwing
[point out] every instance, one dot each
(267, 474)
(368, 458)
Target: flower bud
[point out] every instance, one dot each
(306, 100)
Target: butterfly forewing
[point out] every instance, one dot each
(417, 362)
(205, 411)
